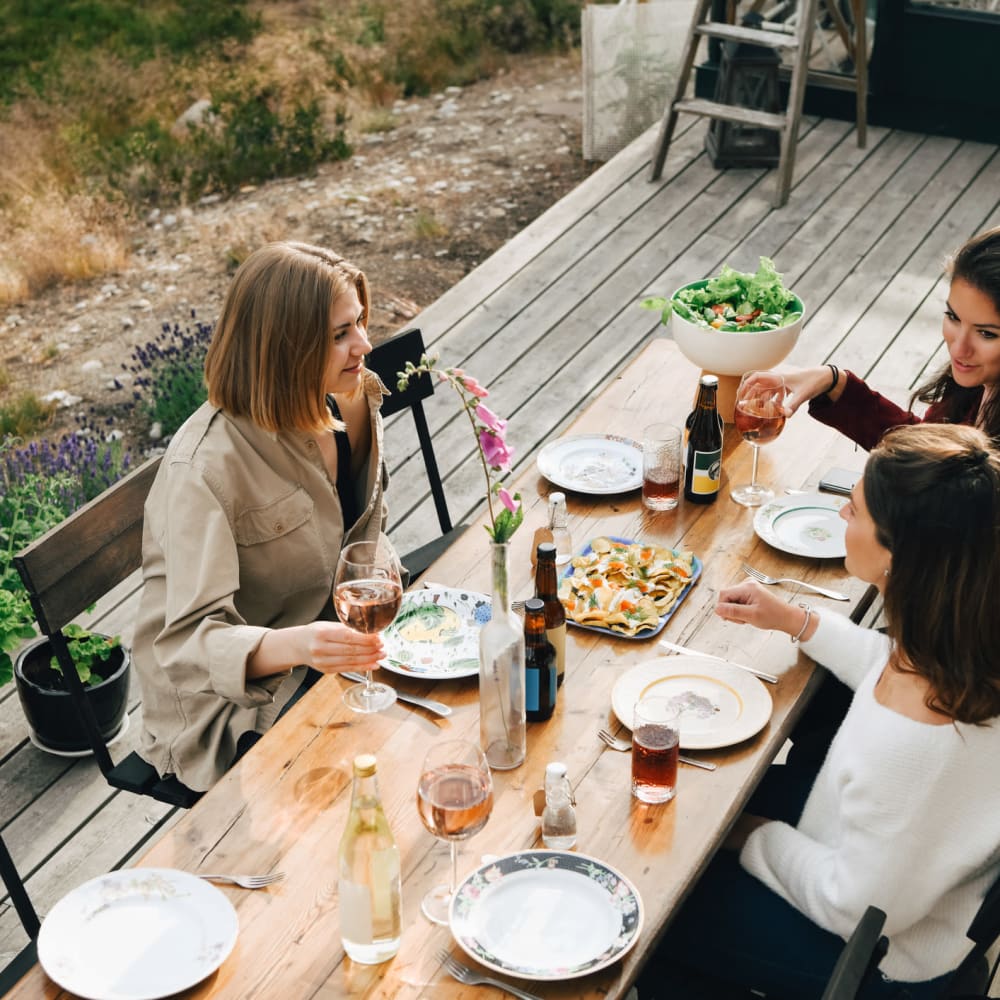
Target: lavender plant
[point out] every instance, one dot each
(169, 373)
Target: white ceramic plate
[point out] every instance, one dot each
(807, 524)
(436, 633)
(720, 704)
(546, 915)
(592, 463)
(137, 934)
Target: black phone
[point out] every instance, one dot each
(839, 481)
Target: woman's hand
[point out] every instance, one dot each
(749, 603)
(330, 647)
(808, 383)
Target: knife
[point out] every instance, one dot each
(437, 707)
(770, 678)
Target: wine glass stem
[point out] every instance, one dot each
(453, 882)
(753, 468)
(368, 674)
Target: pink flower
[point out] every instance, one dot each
(495, 450)
(471, 385)
(488, 417)
(508, 501)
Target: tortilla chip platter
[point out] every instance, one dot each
(626, 588)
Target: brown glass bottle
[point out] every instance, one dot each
(547, 591)
(540, 684)
(703, 468)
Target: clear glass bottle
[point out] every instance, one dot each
(547, 589)
(559, 816)
(371, 909)
(502, 724)
(559, 526)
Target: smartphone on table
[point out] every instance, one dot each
(839, 481)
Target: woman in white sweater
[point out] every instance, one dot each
(905, 811)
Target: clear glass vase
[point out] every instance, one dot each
(502, 726)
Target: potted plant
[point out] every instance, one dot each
(31, 504)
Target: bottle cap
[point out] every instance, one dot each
(535, 604)
(557, 769)
(557, 497)
(710, 380)
(364, 765)
(546, 550)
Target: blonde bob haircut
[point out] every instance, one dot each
(268, 357)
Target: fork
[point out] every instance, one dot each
(616, 743)
(472, 978)
(756, 574)
(246, 881)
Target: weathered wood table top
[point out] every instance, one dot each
(285, 805)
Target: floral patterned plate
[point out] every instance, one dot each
(546, 915)
(806, 524)
(137, 934)
(598, 464)
(436, 634)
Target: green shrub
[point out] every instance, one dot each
(25, 416)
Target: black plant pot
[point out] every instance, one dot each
(51, 713)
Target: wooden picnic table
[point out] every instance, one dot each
(285, 805)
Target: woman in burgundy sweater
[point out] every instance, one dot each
(964, 392)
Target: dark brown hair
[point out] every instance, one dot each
(268, 355)
(933, 491)
(977, 262)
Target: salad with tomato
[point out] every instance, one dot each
(734, 301)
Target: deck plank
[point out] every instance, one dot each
(554, 314)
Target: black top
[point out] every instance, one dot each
(345, 481)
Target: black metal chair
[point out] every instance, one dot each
(386, 360)
(28, 955)
(66, 571)
(865, 948)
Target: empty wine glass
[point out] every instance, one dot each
(367, 593)
(454, 799)
(759, 417)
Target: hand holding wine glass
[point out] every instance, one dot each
(367, 593)
(759, 417)
(454, 799)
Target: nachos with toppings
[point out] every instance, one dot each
(624, 586)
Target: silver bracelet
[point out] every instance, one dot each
(809, 613)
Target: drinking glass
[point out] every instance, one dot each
(759, 417)
(454, 799)
(661, 466)
(367, 593)
(655, 748)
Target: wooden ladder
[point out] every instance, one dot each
(787, 122)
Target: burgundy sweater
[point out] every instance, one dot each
(864, 415)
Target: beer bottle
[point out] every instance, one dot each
(703, 469)
(371, 911)
(540, 684)
(547, 590)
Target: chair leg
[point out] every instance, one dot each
(18, 894)
(861, 71)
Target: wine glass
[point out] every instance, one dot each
(367, 593)
(454, 799)
(759, 417)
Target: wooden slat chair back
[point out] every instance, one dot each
(386, 360)
(66, 571)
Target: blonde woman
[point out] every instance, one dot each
(256, 495)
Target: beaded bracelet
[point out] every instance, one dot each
(809, 613)
(835, 372)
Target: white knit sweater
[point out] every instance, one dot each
(904, 816)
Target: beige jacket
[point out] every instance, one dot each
(242, 533)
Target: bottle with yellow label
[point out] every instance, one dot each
(703, 468)
(371, 910)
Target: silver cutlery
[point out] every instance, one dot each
(245, 881)
(617, 743)
(677, 648)
(472, 978)
(755, 574)
(437, 707)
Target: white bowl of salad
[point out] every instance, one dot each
(735, 322)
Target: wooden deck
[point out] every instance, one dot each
(550, 318)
